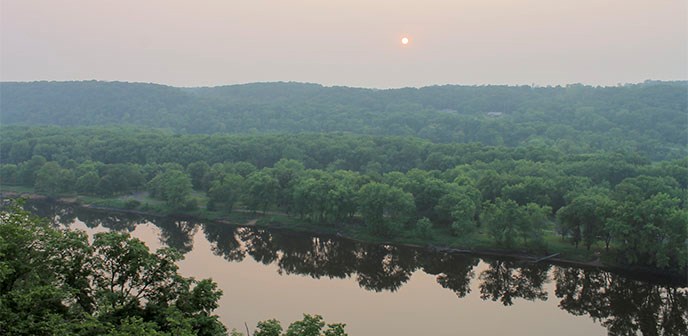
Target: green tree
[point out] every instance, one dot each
(426, 190)
(385, 209)
(8, 174)
(21, 151)
(56, 282)
(585, 219)
(423, 228)
(531, 227)
(197, 171)
(28, 169)
(268, 328)
(118, 178)
(490, 185)
(530, 190)
(286, 171)
(88, 183)
(341, 198)
(506, 221)
(459, 208)
(52, 179)
(310, 325)
(174, 187)
(260, 189)
(311, 195)
(225, 191)
(652, 232)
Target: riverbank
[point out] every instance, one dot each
(556, 250)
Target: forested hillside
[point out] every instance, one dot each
(648, 118)
(602, 167)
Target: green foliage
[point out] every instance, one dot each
(88, 183)
(311, 195)
(52, 179)
(119, 178)
(56, 282)
(506, 221)
(286, 171)
(462, 228)
(649, 117)
(27, 170)
(174, 187)
(389, 158)
(225, 192)
(268, 328)
(8, 174)
(341, 198)
(423, 228)
(586, 218)
(312, 325)
(459, 207)
(388, 183)
(197, 170)
(261, 189)
(652, 232)
(384, 208)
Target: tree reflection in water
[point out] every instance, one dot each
(316, 257)
(64, 215)
(454, 271)
(623, 305)
(504, 281)
(259, 245)
(384, 267)
(177, 233)
(224, 241)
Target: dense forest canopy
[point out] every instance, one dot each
(601, 167)
(395, 185)
(648, 118)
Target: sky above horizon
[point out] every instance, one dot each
(352, 43)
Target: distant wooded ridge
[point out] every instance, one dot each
(648, 118)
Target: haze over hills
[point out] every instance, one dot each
(320, 157)
(650, 117)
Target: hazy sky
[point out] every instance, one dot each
(345, 42)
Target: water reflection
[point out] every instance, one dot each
(225, 242)
(453, 271)
(177, 233)
(625, 306)
(506, 281)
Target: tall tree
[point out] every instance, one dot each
(174, 187)
(56, 282)
(385, 209)
(260, 190)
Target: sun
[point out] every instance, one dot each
(404, 40)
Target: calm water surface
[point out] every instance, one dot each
(388, 290)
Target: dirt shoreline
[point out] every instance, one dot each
(506, 254)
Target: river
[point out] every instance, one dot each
(389, 290)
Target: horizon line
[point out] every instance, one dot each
(532, 85)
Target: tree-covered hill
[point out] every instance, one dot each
(94, 103)
(649, 118)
